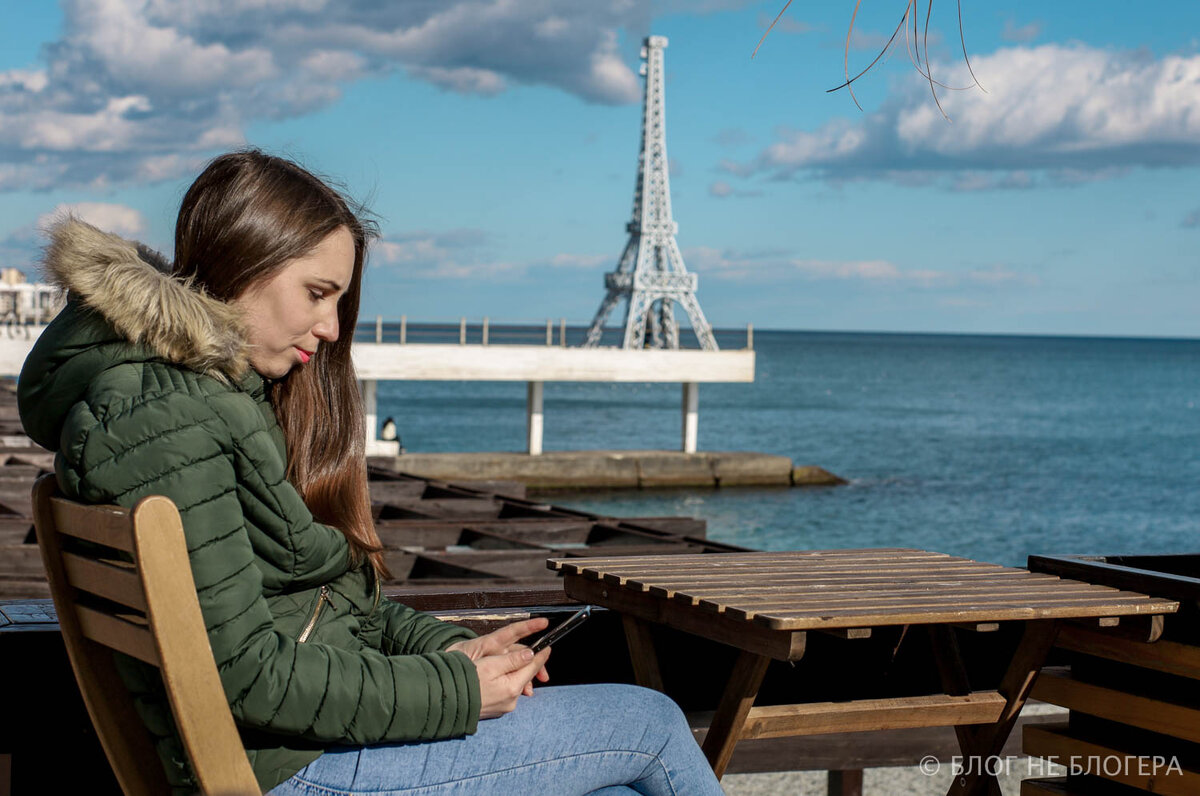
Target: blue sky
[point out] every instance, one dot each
(497, 142)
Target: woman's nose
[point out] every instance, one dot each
(327, 328)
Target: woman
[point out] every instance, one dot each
(227, 385)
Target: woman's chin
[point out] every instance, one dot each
(272, 370)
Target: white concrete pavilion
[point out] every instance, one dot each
(533, 364)
(537, 365)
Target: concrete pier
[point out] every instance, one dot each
(614, 469)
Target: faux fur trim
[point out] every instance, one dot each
(130, 286)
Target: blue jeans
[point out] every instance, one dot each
(615, 739)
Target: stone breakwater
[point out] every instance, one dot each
(624, 469)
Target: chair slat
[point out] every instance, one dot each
(106, 525)
(112, 580)
(119, 632)
(169, 634)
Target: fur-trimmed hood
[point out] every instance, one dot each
(123, 306)
(130, 285)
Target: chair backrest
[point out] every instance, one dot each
(144, 604)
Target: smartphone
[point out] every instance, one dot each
(556, 634)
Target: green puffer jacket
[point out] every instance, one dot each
(141, 388)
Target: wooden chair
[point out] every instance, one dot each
(147, 609)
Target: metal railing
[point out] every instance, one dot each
(552, 333)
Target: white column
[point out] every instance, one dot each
(533, 417)
(691, 415)
(370, 409)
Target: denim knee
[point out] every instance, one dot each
(655, 708)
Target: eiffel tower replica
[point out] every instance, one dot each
(651, 273)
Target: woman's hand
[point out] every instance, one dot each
(506, 669)
(503, 678)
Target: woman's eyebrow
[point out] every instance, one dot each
(334, 285)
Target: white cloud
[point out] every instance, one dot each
(137, 90)
(722, 189)
(21, 248)
(1063, 113)
(1022, 34)
(465, 254)
(778, 265)
(785, 24)
(584, 262)
(119, 219)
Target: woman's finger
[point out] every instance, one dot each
(510, 634)
(525, 673)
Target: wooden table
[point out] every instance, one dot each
(764, 604)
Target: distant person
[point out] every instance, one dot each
(388, 434)
(223, 382)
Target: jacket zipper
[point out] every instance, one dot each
(322, 598)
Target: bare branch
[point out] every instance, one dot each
(780, 14)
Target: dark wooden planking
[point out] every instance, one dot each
(752, 559)
(387, 491)
(805, 589)
(662, 569)
(398, 535)
(486, 540)
(789, 601)
(432, 565)
(1115, 762)
(21, 561)
(1174, 586)
(484, 594)
(1156, 715)
(716, 627)
(718, 586)
(15, 530)
(499, 563)
(999, 612)
(665, 547)
(816, 718)
(459, 509)
(1164, 656)
(850, 750)
(13, 588)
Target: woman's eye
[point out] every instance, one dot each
(316, 295)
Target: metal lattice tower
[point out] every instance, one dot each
(651, 273)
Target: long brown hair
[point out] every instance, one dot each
(243, 219)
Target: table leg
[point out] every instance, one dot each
(987, 740)
(730, 718)
(953, 674)
(641, 653)
(845, 783)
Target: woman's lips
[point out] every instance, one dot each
(304, 355)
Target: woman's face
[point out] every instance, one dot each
(289, 315)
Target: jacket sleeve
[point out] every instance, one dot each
(406, 631)
(173, 444)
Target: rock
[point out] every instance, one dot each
(815, 476)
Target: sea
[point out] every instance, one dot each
(990, 447)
